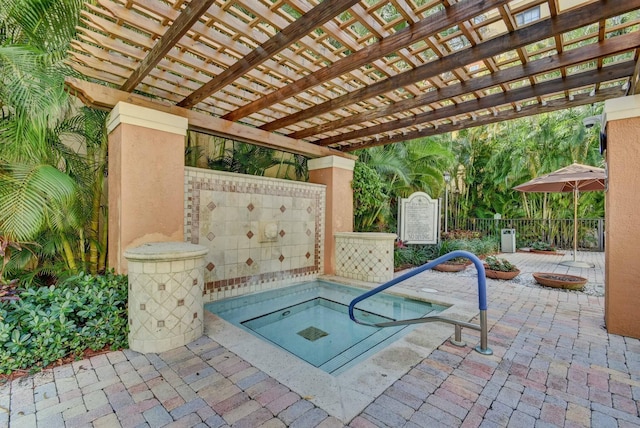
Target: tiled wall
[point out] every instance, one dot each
(365, 256)
(261, 232)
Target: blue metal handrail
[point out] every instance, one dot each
(482, 301)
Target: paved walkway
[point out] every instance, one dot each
(553, 365)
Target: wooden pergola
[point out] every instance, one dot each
(334, 76)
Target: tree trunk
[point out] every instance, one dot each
(68, 254)
(102, 260)
(94, 226)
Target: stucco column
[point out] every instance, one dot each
(337, 174)
(146, 179)
(622, 216)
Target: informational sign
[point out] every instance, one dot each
(419, 219)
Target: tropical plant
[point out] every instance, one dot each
(499, 264)
(368, 197)
(492, 159)
(401, 169)
(31, 195)
(192, 151)
(481, 246)
(445, 247)
(413, 255)
(461, 234)
(49, 192)
(243, 158)
(6, 246)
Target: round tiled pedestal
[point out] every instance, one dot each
(165, 295)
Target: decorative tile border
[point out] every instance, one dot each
(232, 214)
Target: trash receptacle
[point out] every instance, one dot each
(508, 241)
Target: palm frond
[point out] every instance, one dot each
(29, 194)
(28, 86)
(47, 24)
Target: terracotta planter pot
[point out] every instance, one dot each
(498, 274)
(559, 280)
(450, 267)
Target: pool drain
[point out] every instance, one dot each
(312, 334)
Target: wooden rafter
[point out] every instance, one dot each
(545, 65)
(617, 71)
(310, 20)
(533, 33)
(185, 21)
(373, 74)
(531, 110)
(425, 28)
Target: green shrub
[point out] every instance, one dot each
(48, 323)
(416, 255)
(500, 264)
(543, 246)
(461, 234)
(368, 197)
(487, 246)
(413, 255)
(481, 247)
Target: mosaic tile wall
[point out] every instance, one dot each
(365, 256)
(261, 232)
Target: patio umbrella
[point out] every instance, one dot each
(574, 178)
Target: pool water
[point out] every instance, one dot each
(311, 321)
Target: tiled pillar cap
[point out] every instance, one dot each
(166, 251)
(331, 162)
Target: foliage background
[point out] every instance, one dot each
(52, 150)
(485, 164)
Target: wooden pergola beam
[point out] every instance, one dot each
(194, 10)
(531, 110)
(568, 58)
(429, 26)
(613, 72)
(103, 97)
(313, 91)
(635, 80)
(566, 22)
(315, 18)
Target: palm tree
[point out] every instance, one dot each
(402, 168)
(492, 159)
(243, 158)
(50, 192)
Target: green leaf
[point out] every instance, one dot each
(29, 195)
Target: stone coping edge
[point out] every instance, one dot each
(365, 235)
(166, 251)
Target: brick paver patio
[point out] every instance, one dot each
(554, 364)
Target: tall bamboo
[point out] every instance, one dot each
(94, 226)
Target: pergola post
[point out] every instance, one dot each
(146, 179)
(622, 239)
(337, 174)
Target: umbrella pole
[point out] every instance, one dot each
(575, 222)
(574, 263)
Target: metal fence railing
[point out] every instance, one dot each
(555, 232)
